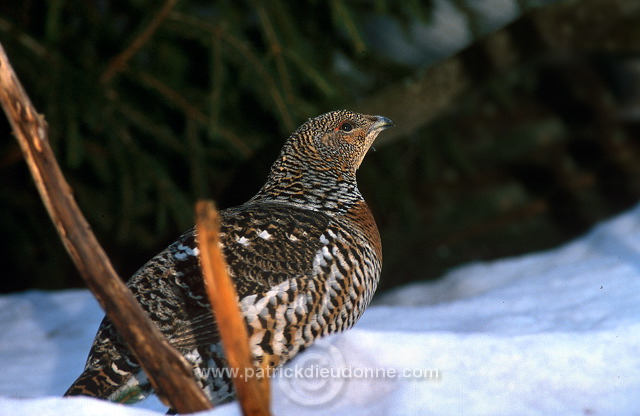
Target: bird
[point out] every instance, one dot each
(304, 255)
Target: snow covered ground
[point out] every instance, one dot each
(549, 333)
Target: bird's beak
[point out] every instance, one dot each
(380, 124)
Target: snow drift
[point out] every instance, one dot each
(548, 333)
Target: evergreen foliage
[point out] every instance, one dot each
(152, 105)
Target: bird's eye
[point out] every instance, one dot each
(346, 126)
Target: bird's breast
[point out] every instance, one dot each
(362, 218)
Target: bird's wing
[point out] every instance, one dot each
(264, 244)
(268, 243)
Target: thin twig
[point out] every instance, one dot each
(254, 62)
(190, 111)
(275, 48)
(251, 388)
(308, 70)
(217, 76)
(343, 17)
(29, 42)
(168, 371)
(262, 72)
(118, 63)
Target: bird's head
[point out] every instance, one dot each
(322, 156)
(339, 139)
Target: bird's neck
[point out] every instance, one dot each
(327, 190)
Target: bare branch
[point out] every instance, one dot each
(169, 372)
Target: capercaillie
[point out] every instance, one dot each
(304, 255)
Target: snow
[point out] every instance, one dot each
(547, 333)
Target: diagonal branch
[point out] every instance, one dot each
(169, 372)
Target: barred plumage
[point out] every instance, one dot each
(304, 254)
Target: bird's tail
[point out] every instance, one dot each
(96, 383)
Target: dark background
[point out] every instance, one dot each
(517, 125)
